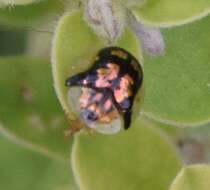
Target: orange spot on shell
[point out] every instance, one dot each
(120, 54)
(91, 100)
(107, 74)
(124, 90)
(85, 82)
(108, 105)
(98, 97)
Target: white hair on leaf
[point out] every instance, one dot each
(151, 38)
(106, 17)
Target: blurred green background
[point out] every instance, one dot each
(23, 166)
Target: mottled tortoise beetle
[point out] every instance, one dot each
(109, 86)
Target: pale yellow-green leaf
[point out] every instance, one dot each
(177, 83)
(31, 15)
(139, 158)
(192, 177)
(166, 13)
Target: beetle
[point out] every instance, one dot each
(109, 86)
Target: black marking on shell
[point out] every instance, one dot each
(128, 66)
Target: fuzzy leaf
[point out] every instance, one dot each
(139, 158)
(29, 112)
(178, 83)
(106, 18)
(192, 177)
(75, 46)
(166, 13)
(21, 169)
(31, 14)
(150, 37)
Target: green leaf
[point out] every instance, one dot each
(192, 177)
(21, 169)
(139, 158)
(29, 113)
(167, 13)
(17, 2)
(31, 14)
(74, 48)
(178, 83)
